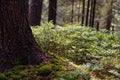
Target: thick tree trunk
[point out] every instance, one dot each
(52, 11)
(17, 44)
(35, 12)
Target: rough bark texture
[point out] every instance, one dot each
(52, 11)
(35, 12)
(17, 44)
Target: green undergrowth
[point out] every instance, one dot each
(55, 69)
(93, 51)
(75, 39)
(76, 53)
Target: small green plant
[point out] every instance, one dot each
(16, 77)
(23, 74)
(72, 75)
(2, 77)
(49, 39)
(19, 68)
(9, 73)
(45, 70)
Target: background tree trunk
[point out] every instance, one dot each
(109, 16)
(83, 11)
(35, 12)
(52, 11)
(72, 17)
(79, 11)
(17, 44)
(87, 12)
(93, 13)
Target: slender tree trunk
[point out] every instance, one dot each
(87, 13)
(17, 44)
(109, 18)
(93, 14)
(72, 18)
(35, 12)
(83, 12)
(52, 11)
(79, 12)
(97, 26)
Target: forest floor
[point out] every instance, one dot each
(76, 53)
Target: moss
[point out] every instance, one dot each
(58, 73)
(45, 70)
(2, 77)
(9, 73)
(55, 62)
(19, 68)
(23, 74)
(58, 68)
(16, 77)
(29, 67)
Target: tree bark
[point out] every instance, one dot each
(72, 17)
(93, 13)
(52, 11)
(83, 12)
(35, 12)
(79, 11)
(109, 17)
(17, 44)
(87, 13)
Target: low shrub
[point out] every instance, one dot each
(45, 70)
(2, 77)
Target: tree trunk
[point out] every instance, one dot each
(87, 13)
(79, 11)
(72, 17)
(35, 12)
(83, 12)
(93, 13)
(109, 17)
(17, 44)
(52, 11)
